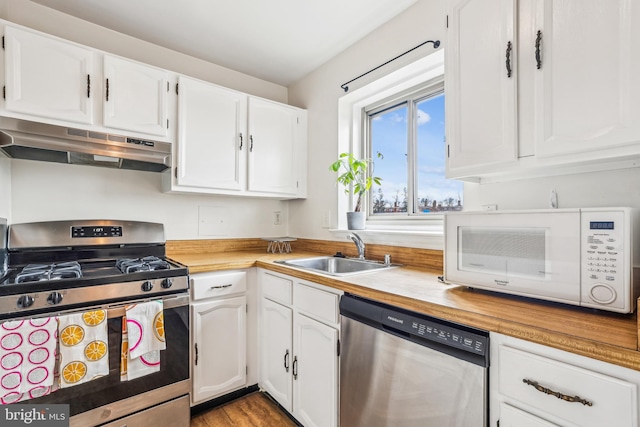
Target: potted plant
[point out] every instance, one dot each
(352, 173)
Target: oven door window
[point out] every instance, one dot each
(174, 367)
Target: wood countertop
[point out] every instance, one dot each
(609, 337)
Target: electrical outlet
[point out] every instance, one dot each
(277, 218)
(326, 219)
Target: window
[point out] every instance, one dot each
(387, 94)
(409, 131)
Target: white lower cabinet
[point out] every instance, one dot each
(298, 347)
(534, 385)
(219, 334)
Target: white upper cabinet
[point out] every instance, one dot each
(481, 84)
(574, 92)
(135, 96)
(211, 135)
(587, 89)
(273, 142)
(235, 144)
(47, 77)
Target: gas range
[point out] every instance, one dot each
(68, 264)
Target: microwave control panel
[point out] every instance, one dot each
(605, 279)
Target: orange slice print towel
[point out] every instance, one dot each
(84, 348)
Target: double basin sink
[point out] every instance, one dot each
(336, 266)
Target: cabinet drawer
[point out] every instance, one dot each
(211, 285)
(316, 302)
(277, 288)
(611, 398)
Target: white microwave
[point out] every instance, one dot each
(581, 257)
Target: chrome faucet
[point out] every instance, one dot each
(359, 244)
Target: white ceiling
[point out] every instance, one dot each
(275, 40)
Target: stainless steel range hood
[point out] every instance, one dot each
(22, 139)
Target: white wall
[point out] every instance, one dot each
(320, 91)
(37, 191)
(5, 188)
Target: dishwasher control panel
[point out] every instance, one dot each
(435, 330)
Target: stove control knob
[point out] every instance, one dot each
(25, 301)
(167, 283)
(147, 286)
(54, 298)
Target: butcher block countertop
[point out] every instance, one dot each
(609, 337)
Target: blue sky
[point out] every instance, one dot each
(390, 136)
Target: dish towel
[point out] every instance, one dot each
(84, 348)
(27, 358)
(142, 339)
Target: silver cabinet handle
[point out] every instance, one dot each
(295, 367)
(286, 361)
(240, 140)
(228, 285)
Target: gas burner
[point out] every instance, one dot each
(134, 265)
(41, 272)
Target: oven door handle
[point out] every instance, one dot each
(167, 303)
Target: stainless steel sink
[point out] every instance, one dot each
(335, 266)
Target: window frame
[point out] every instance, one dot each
(411, 98)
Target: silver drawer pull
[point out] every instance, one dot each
(228, 285)
(557, 394)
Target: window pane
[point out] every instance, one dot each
(389, 137)
(434, 192)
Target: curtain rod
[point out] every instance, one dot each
(436, 44)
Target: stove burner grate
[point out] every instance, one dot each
(40, 272)
(134, 265)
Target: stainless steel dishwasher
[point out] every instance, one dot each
(403, 369)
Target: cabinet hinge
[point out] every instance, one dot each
(176, 88)
(338, 348)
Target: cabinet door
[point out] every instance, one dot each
(277, 352)
(480, 92)
(220, 341)
(47, 77)
(587, 90)
(273, 137)
(211, 135)
(512, 417)
(315, 373)
(135, 97)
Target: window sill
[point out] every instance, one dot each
(415, 237)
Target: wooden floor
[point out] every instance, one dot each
(255, 409)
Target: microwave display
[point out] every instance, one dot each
(601, 225)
